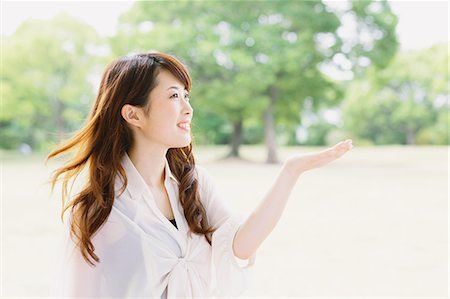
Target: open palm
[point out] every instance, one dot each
(302, 162)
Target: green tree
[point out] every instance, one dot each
(257, 61)
(406, 99)
(46, 80)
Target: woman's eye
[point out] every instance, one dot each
(176, 95)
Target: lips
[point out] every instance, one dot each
(186, 125)
(185, 121)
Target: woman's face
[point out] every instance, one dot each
(169, 119)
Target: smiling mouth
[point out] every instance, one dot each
(185, 126)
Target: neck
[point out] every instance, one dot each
(150, 163)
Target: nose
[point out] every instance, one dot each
(188, 108)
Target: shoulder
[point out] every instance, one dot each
(202, 174)
(203, 178)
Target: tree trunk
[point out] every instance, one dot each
(236, 138)
(410, 136)
(269, 127)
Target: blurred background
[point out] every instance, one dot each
(270, 79)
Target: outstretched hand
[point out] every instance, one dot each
(262, 221)
(300, 163)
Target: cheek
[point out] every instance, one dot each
(165, 120)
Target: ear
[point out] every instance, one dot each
(131, 114)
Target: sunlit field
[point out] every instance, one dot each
(372, 224)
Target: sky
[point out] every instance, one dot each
(421, 23)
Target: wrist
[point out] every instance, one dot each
(291, 170)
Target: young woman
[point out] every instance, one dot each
(148, 221)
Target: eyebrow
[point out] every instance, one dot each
(173, 87)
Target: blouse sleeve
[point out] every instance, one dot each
(233, 274)
(76, 278)
(119, 273)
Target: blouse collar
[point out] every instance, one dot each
(136, 184)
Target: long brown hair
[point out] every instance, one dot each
(105, 138)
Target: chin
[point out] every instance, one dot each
(184, 144)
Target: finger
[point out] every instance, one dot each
(346, 144)
(340, 148)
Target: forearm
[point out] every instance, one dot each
(262, 221)
(265, 217)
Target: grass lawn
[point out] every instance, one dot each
(372, 224)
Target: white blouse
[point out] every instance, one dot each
(142, 254)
